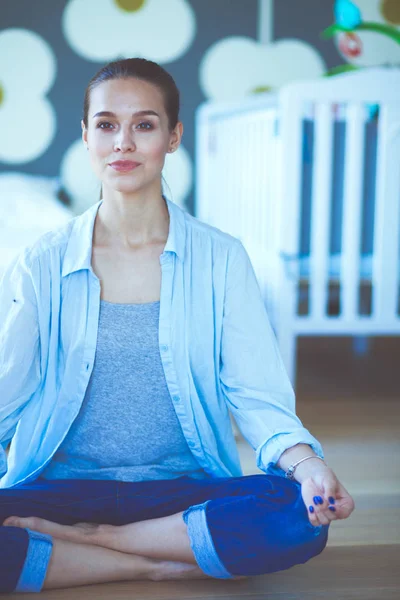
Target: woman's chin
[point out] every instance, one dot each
(125, 187)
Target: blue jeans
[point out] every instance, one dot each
(247, 525)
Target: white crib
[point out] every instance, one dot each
(251, 179)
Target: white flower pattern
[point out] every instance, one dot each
(105, 30)
(24, 82)
(237, 66)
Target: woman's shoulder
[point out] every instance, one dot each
(206, 232)
(54, 240)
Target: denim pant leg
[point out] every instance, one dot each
(21, 551)
(25, 554)
(256, 533)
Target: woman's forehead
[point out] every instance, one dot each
(126, 94)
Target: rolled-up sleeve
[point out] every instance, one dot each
(253, 378)
(20, 373)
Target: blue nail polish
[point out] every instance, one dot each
(332, 508)
(331, 500)
(311, 508)
(315, 500)
(320, 500)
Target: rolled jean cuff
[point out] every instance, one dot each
(202, 544)
(36, 563)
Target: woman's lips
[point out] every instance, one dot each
(124, 165)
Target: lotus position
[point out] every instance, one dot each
(128, 338)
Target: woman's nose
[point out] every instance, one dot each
(124, 142)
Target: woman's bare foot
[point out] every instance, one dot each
(81, 533)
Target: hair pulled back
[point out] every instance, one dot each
(145, 70)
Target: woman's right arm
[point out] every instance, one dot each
(20, 372)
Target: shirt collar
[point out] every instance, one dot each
(78, 254)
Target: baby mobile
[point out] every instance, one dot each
(348, 23)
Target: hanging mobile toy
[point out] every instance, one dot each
(348, 22)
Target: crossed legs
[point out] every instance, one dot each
(83, 554)
(257, 524)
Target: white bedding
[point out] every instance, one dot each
(29, 207)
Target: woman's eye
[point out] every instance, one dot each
(147, 125)
(99, 125)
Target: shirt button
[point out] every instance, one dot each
(191, 444)
(176, 398)
(164, 348)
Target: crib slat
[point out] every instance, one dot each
(204, 140)
(352, 208)
(290, 155)
(256, 198)
(246, 167)
(237, 155)
(321, 188)
(258, 187)
(387, 216)
(270, 201)
(227, 197)
(251, 196)
(228, 177)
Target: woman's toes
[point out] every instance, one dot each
(34, 523)
(83, 533)
(12, 522)
(43, 526)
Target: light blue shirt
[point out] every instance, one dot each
(217, 348)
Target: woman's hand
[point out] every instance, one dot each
(325, 497)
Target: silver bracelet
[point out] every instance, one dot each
(292, 468)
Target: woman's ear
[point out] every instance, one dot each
(84, 133)
(176, 137)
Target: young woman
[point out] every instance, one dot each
(126, 336)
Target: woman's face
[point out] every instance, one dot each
(127, 122)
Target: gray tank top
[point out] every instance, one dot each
(127, 428)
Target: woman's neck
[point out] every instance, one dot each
(132, 222)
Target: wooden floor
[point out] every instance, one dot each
(352, 405)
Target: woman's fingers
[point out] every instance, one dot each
(331, 505)
(320, 500)
(318, 512)
(344, 507)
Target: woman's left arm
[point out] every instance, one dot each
(259, 394)
(325, 497)
(252, 376)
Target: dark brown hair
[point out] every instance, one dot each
(138, 68)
